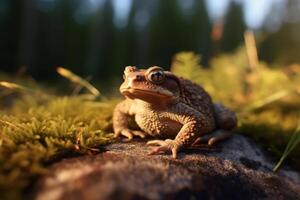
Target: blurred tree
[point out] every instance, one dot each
(82, 35)
(124, 43)
(200, 31)
(100, 45)
(74, 34)
(234, 27)
(28, 33)
(166, 33)
(60, 40)
(283, 46)
(9, 34)
(139, 20)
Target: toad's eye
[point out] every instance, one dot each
(157, 76)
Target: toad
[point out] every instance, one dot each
(176, 111)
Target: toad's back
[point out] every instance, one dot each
(196, 97)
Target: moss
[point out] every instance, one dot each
(40, 128)
(266, 98)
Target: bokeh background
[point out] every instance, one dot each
(46, 116)
(100, 37)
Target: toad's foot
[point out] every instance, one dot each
(130, 133)
(165, 146)
(211, 139)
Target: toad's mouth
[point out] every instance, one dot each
(140, 92)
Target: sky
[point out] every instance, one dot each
(122, 9)
(255, 10)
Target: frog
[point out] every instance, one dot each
(174, 111)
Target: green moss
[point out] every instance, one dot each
(40, 128)
(266, 99)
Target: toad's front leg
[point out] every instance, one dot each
(120, 121)
(194, 125)
(184, 138)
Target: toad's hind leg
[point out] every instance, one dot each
(214, 137)
(225, 118)
(226, 122)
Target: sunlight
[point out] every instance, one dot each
(216, 8)
(256, 12)
(122, 9)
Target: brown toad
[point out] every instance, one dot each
(172, 108)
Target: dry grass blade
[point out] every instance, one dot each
(251, 49)
(15, 86)
(270, 99)
(76, 79)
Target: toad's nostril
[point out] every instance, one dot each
(139, 77)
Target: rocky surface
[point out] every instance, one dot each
(236, 169)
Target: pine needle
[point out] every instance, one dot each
(295, 139)
(78, 80)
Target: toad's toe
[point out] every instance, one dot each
(166, 146)
(156, 143)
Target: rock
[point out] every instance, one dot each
(236, 169)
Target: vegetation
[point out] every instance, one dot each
(294, 141)
(267, 100)
(39, 127)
